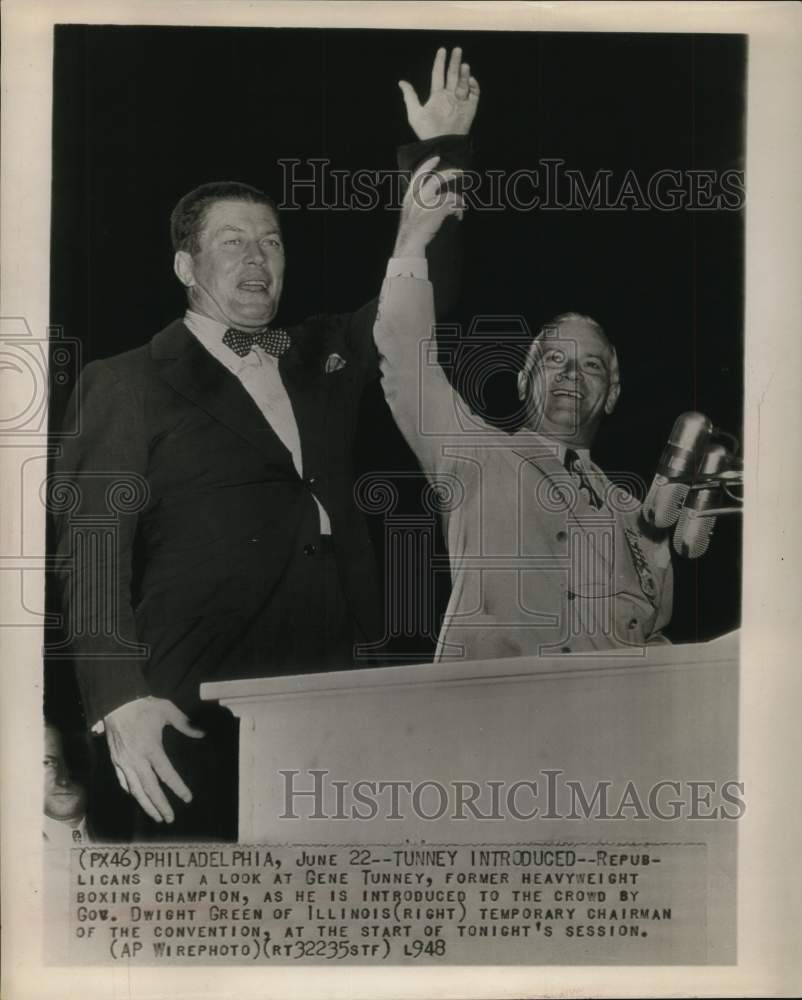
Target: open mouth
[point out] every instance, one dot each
(571, 393)
(253, 285)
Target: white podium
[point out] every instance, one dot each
(668, 713)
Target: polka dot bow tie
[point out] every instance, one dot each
(272, 341)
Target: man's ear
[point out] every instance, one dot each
(523, 384)
(184, 269)
(612, 398)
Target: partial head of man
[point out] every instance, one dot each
(229, 253)
(65, 799)
(570, 379)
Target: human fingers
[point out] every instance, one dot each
(454, 204)
(142, 797)
(173, 716)
(152, 791)
(121, 778)
(422, 174)
(438, 70)
(426, 167)
(167, 773)
(452, 76)
(411, 101)
(436, 180)
(177, 719)
(463, 82)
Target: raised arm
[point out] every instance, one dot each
(441, 125)
(420, 398)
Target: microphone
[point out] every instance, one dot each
(679, 460)
(694, 527)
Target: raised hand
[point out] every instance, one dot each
(134, 734)
(452, 102)
(427, 202)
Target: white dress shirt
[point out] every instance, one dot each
(408, 267)
(57, 833)
(259, 374)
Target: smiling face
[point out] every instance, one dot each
(569, 381)
(65, 799)
(237, 274)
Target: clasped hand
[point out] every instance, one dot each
(428, 201)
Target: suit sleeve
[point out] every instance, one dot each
(444, 253)
(101, 471)
(423, 403)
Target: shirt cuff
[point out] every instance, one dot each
(408, 267)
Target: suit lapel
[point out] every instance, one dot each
(543, 454)
(200, 378)
(612, 566)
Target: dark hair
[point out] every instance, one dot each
(189, 215)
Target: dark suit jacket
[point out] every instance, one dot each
(192, 570)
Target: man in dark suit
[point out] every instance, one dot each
(245, 555)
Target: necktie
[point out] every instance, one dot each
(573, 464)
(273, 341)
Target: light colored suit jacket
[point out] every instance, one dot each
(535, 569)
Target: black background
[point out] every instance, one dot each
(141, 115)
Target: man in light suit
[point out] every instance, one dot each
(547, 556)
(245, 554)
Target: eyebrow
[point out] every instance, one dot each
(605, 362)
(231, 228)
(555, 346)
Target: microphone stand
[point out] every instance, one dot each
(726, 480)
